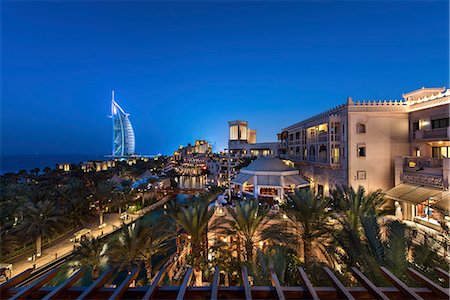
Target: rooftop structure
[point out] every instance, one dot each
(123, 133)
(268, 177)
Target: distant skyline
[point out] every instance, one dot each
(184, 69)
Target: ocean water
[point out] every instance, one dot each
(16, 162)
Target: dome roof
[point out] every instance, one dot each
(268, 164)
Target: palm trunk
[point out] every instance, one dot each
(149, 269)
(101, 215)
(38, 245)
(197, 252)
(307, 252)
(249, 250)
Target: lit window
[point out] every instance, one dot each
(361, 151)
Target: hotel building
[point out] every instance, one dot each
(123, 133)
(356, 143)
(378, 145)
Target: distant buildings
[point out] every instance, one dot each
(123, 133)
(200, 149)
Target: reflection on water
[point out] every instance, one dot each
(70, 266)
(191, 182)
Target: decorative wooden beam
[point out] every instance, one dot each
(155, 284)
(28, 290)
(443, 273)
(65, 285)
(247, 290)
(399, 284)
(372, 288)
(183, 287)
(342, 291)
(309, 287)
(276, 284)
(124, 285)
(437, 289)
(96, 284)
(215, 284)
(15, 280)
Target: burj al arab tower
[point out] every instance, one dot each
(123, 133)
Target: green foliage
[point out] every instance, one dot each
(91, 255)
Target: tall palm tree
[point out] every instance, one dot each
(356, 204)
(247, 221)
(91, 254)
(139, 242)
(303, 225)
(78, 213)
(40, 219)
(101, 193)
(193, 219)
(73, 189)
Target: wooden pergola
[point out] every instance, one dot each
(24, 286)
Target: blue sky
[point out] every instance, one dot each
(183, 69)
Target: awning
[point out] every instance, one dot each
(400, 190)
(413, 193)
(268, 180)
(444, 203)
(241, 178)
(296, 180)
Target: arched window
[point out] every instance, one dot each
(361, 128)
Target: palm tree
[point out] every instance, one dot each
(139, 242)
(91, 254)
(303, 226)
(40, 219)
(247, 221)
(78, 213)
(193, 219)
(356, 204)
(101, 194)
(35, 171)
(8, 243)
(73, 189)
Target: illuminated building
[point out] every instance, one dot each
(379, 145)
(123, 133)
(268, 177)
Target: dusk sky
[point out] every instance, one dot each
(183, 69)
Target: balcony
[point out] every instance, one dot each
(433, 134)
(422, 162)
(423, 171)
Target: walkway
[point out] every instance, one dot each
(65, 246)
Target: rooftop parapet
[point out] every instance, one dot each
(379, 103)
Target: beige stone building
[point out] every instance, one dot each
(356, 143)
(422, 177)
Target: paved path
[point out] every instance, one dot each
(65, 246)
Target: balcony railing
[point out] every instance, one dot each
(422, 162)
(423, 179)
(439, 133)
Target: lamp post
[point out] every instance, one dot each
(33, 260)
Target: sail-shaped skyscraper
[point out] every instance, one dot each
(123, 133)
